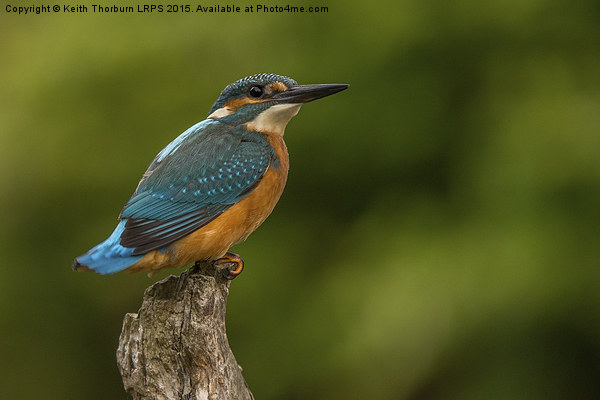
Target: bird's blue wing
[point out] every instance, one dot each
(192, 181)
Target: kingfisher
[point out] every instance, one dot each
(212, 186)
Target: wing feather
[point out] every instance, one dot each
(192, 181)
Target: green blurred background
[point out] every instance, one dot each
(438, 236)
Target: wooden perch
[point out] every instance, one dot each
(176, 347)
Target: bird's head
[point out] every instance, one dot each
(266, 102)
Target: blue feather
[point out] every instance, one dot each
(192, 181)
(109, 256)
(196, 178)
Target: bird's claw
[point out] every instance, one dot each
(237, 265)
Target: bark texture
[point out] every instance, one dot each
(176, 346)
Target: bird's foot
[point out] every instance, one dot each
(236, 267)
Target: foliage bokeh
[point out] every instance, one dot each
(438, 236)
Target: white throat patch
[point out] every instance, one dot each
(220, 113)
(274, 119)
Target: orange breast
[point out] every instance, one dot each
(214, 239)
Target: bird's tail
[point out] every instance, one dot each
(109, 256)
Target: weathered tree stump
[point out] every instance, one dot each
(176, 346)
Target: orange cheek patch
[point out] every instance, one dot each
(278, 87)
(235, 104)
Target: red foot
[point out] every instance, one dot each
(236, 268)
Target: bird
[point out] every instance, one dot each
(212, 186)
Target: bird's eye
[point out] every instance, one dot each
(256, 91)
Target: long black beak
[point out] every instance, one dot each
(305, 93)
